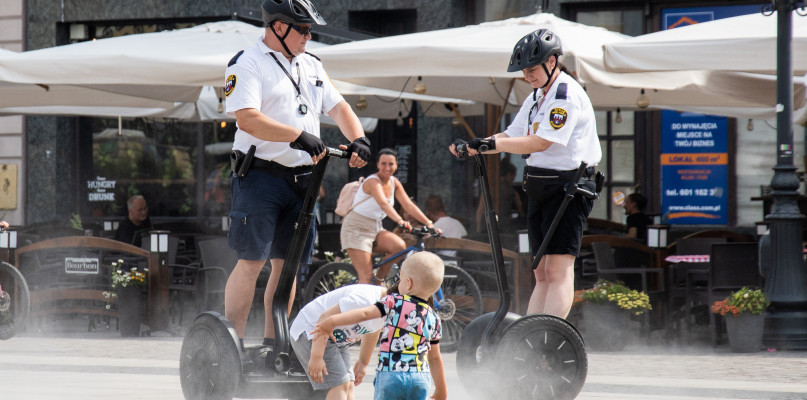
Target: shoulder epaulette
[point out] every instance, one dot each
(235, 58)
(561, 93)
(313, 56)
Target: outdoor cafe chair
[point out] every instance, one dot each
(677, 274)
(731, 267)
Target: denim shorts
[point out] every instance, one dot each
(390, 385)
(264, 212)
(337, 362)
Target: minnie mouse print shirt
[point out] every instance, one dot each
(410, 330)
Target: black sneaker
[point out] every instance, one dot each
(261, 356)
(296, 368)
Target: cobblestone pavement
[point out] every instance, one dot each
(99, 365)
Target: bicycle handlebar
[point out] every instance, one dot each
(423, 231)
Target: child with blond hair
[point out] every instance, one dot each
(409, 360)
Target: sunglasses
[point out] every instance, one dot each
(301, 30)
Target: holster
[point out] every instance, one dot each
(240, 163)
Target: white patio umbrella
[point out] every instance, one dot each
(471, 62)
(744, 43)
(168, 66)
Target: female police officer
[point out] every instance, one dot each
(276, 92)
(555, 127)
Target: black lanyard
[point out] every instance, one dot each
(302, 108)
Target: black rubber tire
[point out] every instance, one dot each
(13, 320)
(210, 359)
(461, 304)
(327, 278)
(478, 376)
(541, 357)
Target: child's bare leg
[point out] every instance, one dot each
(341, 392)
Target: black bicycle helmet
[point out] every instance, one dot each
(534, 49)
(290, 12)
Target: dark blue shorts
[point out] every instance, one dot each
(545, 194)
(264, 212)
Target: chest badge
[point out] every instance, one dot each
(557, 118)
(229, 85)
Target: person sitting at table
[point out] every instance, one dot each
(637, 221)
(137, 220)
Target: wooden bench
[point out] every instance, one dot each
(523, 278)
(46, 298)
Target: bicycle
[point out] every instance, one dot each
(15, 301)
(457, 302)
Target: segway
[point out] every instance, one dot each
(505, 355)
(212, 363)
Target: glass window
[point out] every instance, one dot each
(159, 160)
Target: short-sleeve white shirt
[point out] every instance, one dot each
(566, 121)
(348, 298)
(256, 81)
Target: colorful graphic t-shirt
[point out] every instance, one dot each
(411, 328)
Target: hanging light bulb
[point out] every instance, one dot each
(643, 101)
(618, 118)
(221, 106)
(361, 104)
(420, 87)
(399, 120)
(750, 125)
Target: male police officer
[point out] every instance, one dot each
(276, 91)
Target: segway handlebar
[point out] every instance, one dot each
(462, 149)
(329, 151)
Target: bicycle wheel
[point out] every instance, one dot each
(461, 303)
(15, 301)
(329, 277)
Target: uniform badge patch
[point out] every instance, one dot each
(557, 118)
(229, 85)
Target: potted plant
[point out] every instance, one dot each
(744, 311)
(609, 313)
(128, 284)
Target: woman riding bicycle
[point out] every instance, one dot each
(361, 227)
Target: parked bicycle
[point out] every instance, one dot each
(458, 301)
(15, 300)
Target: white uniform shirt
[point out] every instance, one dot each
(348, 298)
(369, 208)
(257, 81)
(566, 122)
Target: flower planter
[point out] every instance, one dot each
(131, 307)
(745, 332)
(606, 327)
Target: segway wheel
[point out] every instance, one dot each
(329, 277)
(475, 365)
(541, 357)
(210, 360)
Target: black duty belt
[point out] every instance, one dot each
(279, 170)
(538, 171)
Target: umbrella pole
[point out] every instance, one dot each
(464, 123)
(786, 282)
(504, 105)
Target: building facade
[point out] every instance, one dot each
(61, 161)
